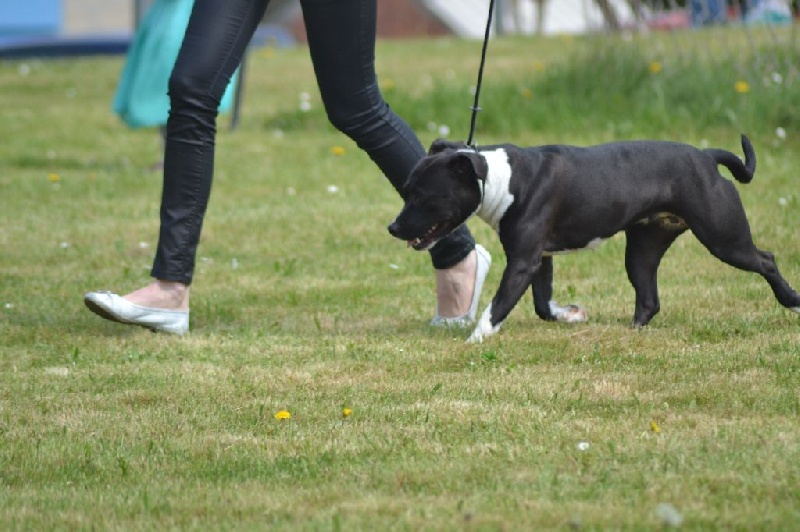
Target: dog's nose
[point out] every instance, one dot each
(393, 229)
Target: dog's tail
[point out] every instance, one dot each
(742, 171)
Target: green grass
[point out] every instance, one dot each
(303, 302)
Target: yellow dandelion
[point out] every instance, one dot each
(742, 87)
(539, 66)
(346, 412)
(267, 52)
(283, 414)
(338, 151)
(54, 178)
(387, 85)
(655, 67)
(654, 427)
(526, 93)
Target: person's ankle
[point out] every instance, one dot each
(454, 288)
(178, 292)
(162, 294)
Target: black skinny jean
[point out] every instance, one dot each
(341, 38)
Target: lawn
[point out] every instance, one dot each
(303, 304)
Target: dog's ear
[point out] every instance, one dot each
(469, 165)
(440, 145)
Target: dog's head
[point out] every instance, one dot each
(442, 192)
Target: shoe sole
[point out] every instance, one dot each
(103, 313)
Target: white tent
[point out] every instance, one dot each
(467, 18)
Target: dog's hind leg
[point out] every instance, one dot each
(646, 243)
(784, 293)
(727, 236)
(746, 256)
(543, 304)
(542, 288)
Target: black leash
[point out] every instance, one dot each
(475, 107)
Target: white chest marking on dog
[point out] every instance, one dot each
(484, 327)
(497, 197)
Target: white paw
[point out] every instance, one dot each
(795, 309)
(569, 313)
(475, 338)
(484, 327)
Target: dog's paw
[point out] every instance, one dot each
(475, 338)
(484, 327)
(569, 313)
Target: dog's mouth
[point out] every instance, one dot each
(431, 236)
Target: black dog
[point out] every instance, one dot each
(552, 199)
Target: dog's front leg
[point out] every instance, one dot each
(516, 279)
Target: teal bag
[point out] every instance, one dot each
(141, 99)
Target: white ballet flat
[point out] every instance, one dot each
(116, 308)
(484, 261)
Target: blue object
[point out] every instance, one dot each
(30, 17)
(707, 12)
(768, 12)
(141, 99)
(38, 46)
(25, 47)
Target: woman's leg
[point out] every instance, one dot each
(341, 37)
(216, 39)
